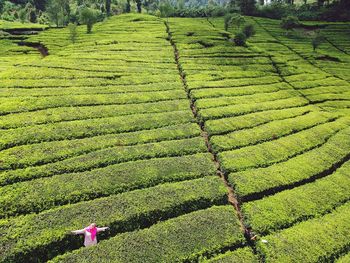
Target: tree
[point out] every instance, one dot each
(40, 4)
(227, 21)
(248, 30)
(238, 20)
(108, 7)
(88, 17)
(240, 39)
(53, 10)
(1, 5)
(247, 6)
(166, 9)
(58, 11)
(127, 6)
(22, 15)
(73, 33)
(317, 41)
(289, 22)
(138, 5)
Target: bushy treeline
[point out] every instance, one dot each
(56, 12)
(63, 12)
(337, 10)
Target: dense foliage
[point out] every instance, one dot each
(189, 147)
(62, 12)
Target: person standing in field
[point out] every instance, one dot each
(90, 234)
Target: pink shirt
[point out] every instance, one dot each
(87, 236)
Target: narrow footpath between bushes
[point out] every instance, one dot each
(231, 195)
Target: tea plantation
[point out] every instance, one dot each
(190, 148)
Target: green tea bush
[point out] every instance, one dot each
(231, 124)
(46, 193)
(269, 131)
(291, 206)
(249, 30)
(279, 150)
(296, 169)
(241, 109)
(242, 255)
(320, 238)
(126, 212)
(185, 237)
(290, 22)
(240, 39)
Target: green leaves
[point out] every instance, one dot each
(316, 240)
(46, 234)
(187, 237)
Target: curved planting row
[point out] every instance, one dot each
(102, 131)
(284, 157)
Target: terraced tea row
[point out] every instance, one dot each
(124, 212)
(324, 78)
(102, 130)
(276, 146)
(106, 130)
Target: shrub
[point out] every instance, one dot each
(275, 151)
(302, 167)
(72, 32)
(323, 237)
(238, 20)
(275, 212)
(289, 22)
(89, 17)
(186, 237)
(276, 10)
(126, 212)
(317, 41)
(240, 39)
(227, 21)
(249, 30)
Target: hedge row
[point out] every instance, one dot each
(88, 112)
(318, 83)
(317, 240)
(218, 75)
(343, 259)
(45, 193)
(327, 89)
(49, 92)
(240, 109)
(39, 237)
(260, 97)
(52, 69)
(306, 77)
(48, 73)
(279, 150)
(251, 120)
(238, 91)
(92, 82)
(269, 131)
(42, 153)
(299, 168)
(240, 255)
(222, 60)
(196, 67)
(23, 104)
(185, 238)
(108, 156)
(93, 127)
(233, 82)
(330, 96)
(288, 207)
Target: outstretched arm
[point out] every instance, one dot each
(77, 232)
(99, 229)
